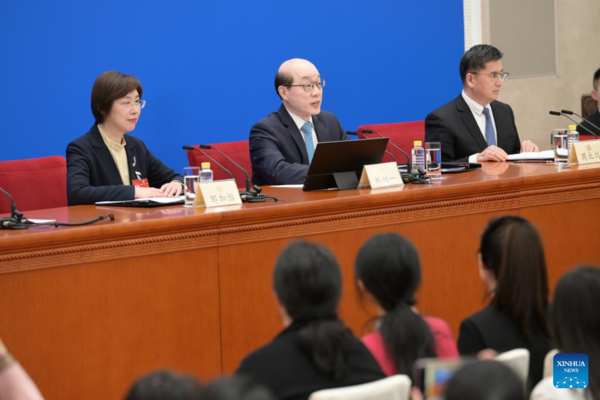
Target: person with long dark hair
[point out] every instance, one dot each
(389, 273)
(576, 329)
(315, 350)
(513, 267)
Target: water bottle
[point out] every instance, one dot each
(573, 136)
(206, 174)
(418, 157)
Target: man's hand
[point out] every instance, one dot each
(145, 192)
(492, 153)
(171, 189)
(528, 146)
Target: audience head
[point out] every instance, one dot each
(575, 318)
(110, 86)
(480, 71)
(236, 388)
(485, 380)
(165, 385)
(514, 267)
(308, 284)
(596, 91)
(388, 270)
(298, 84)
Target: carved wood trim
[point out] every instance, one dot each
(73, 255)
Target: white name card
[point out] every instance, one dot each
(586, 152)
(380, 176)
(217, 194)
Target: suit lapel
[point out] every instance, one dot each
(106, 159)
(293, 131)
(320, 129)
(467, 118)
(133, 160)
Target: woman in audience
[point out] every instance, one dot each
(107, 164)
(315, 350)
(576, 327)
(14, 381)
(513, 267)
(165, 385)
(389, 273)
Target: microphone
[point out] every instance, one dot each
(248, 184)
(408, 163)
(564, 115)
(14, 222)
(352, 133)
(210, 158)
(567, 112)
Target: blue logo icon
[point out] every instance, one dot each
(570, 371)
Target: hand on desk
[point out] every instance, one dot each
(171, 189)
(527, 146)
(146, 192)
(492, 153)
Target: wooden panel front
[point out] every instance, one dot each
(89, 309)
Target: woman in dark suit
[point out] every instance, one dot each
(105, 163)
(315, 350)
(513, 267)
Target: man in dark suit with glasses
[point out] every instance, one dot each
(475, 126)
(282, 145)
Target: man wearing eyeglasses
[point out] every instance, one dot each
(282, 145)
(476, 127)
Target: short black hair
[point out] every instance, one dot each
(596, 79)
(484, 380)
(165, 385)
(110, 86)
(282, 79)
(476, 57)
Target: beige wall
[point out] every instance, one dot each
(578, 49)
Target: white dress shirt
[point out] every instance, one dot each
(300, 122)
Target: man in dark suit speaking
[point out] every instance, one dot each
(282, 145)
(475, 126)
(594, 118)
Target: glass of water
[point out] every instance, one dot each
(190, 179)
(434, 160)
(560, 143)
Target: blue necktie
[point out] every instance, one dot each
(308, 140)
(490, 135)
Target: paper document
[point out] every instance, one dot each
(538, 155)
(159, 200)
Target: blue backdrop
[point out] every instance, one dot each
(207, 68)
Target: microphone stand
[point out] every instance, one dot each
(583, 120)
(564, 115)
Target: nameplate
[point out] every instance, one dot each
(380, 176)
(217, 194)
(586, 152)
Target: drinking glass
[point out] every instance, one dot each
(434, 160)
(190, 179)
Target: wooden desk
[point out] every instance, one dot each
(89, 309)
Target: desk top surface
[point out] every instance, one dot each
(491, 179)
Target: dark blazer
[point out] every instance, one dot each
(594, 119)
(492, 328)
(277, 150)
(287, 370)
(454, 126)
(92, 174)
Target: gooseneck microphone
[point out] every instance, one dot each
(352, 133)
(248, 184)
(408, 162)
(564, 115)
(249, 196)
(18, 221)
(210, 158)
(567, 112)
